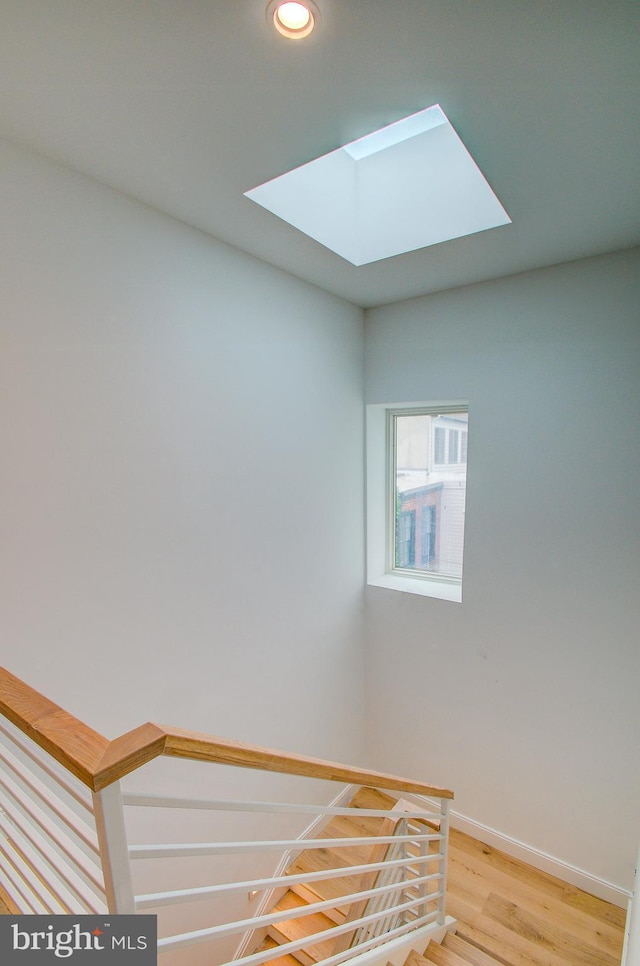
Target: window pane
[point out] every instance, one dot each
(428, 537)
(405, 539)
(454, 436)
(430, 488)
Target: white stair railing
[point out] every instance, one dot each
(50, 857)
(398, 903)
(66, 844)
(415, 869)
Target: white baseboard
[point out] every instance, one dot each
(541, 860)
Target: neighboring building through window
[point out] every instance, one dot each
(428, 450)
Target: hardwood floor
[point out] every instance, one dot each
(524, 917)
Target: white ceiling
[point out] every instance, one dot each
(186, 104)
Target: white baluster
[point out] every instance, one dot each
(114, 849)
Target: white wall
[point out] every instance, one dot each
(524, 698)
(181, 514)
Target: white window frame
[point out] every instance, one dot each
(380, 501)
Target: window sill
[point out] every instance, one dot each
(441, 589)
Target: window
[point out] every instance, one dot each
(416, 492)
(428, 481)
(449, 445)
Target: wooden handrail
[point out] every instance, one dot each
(98, 762)
(69, 741)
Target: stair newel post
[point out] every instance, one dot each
(444, 849)
(114, 849)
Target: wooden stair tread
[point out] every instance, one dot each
(452, 952)
(351, 855)
(310, 894)
(372, 798)
(343, 826)
(435, 953)
(309, 954)
(321, 860)
(414, 959)
(470, 953)
(290, 901)
(291, 930)
(316, 860)
(496, 946)
(286, 960)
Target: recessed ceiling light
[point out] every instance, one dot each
(294, 20)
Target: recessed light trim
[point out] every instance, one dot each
(293, 19)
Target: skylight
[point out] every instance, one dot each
(407, 186)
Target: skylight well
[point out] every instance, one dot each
(407, 186)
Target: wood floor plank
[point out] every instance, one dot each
(537, 880)
(492, 858)
(597, 908)
(471, 870)
(498, 940)
(543, 933)
(459, 896)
